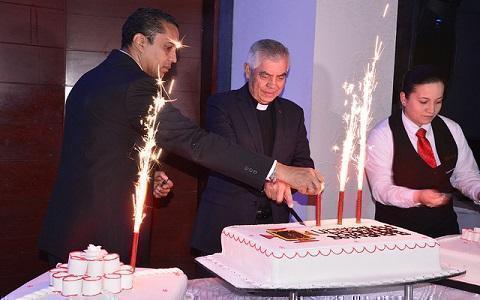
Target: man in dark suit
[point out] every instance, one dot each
(257, 118)
(91, 201)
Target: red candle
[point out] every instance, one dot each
(318, 210)
(341, 196)
(133, 257)
(358, 212)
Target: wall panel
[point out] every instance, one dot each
(32, 76)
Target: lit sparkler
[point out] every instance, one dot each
(148, 154)
(351, 120)
(356, 128)
(367, 88)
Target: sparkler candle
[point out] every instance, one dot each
(367, 88)
(358, 208)
(318, 209)
(348, 146)
(147, 155)
(341, 197)
(318, 206)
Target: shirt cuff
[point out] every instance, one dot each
(271, 176)
(477, 201)
(409, 199)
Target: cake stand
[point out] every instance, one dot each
(221, 268)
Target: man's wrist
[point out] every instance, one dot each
(417, 198)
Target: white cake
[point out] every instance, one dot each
(370, 250)
(462, 251)
(96, 274)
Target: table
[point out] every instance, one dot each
(216, 288)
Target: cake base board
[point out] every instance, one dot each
(221, 268)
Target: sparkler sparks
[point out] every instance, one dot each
(348, 146)
(178, 43)
(367, 88)
(385, 10)
(357, 122)
(171, 86)
(350, 136)
(148, 154)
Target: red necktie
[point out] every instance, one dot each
(425, 149)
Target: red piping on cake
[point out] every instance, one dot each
(319, 252)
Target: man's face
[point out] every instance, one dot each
(267, 80)
(161, 53)
(424, 102)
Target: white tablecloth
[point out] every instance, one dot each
(215, 288)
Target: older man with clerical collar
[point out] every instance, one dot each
(257, 118)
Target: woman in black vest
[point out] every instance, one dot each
(416, 158)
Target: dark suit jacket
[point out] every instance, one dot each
(226, 201)
(91, 201)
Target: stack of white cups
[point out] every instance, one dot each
(90, 272)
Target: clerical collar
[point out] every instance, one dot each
(262, 107)
(258, 106)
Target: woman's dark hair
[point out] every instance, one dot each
(421, 74)
(147, 21)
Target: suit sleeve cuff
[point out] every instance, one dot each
(271, 176)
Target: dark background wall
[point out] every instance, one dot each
(463, 97)
(32, 76)
(46, 46)
(444, 33)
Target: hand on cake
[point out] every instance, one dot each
(307, 181)
(431, 198)
(161, 184)
(278, 191)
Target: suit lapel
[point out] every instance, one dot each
(247, 110)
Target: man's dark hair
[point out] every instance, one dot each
(421, 74)
(147, 21)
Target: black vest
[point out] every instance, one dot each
(411, 171)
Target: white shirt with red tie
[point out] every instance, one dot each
(465, 176)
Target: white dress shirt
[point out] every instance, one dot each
(465, 176)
